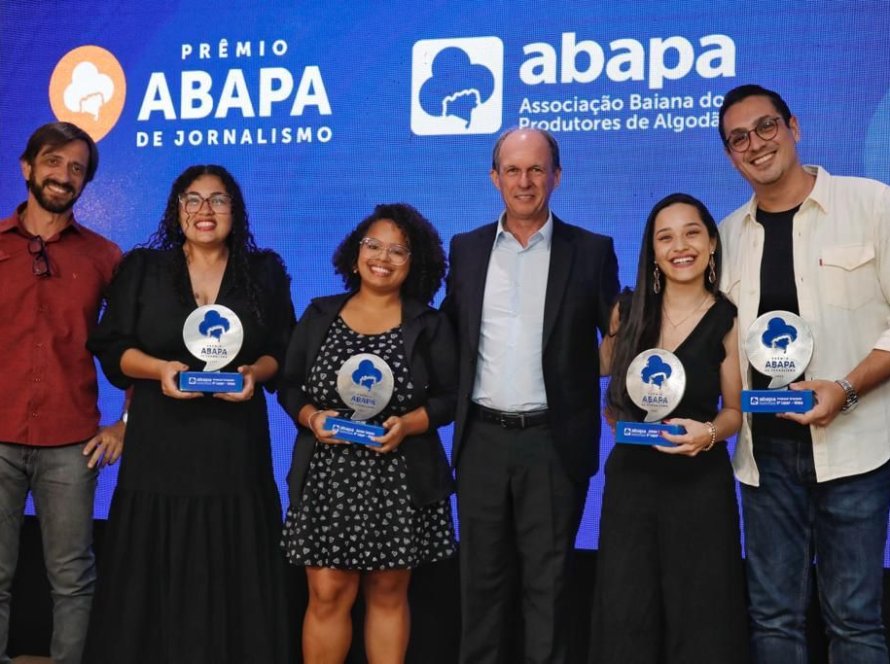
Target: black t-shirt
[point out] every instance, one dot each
(778, 291)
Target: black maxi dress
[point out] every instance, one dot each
(670, 585)
(190, 570)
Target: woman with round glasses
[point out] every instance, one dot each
(669, 582)
(191, 570)
(361, 516)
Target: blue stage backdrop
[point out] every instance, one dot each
(323, 109)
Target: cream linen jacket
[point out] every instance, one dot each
(841, 236)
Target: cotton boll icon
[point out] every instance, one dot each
(89, 90)
(214, 325)
(656, 371)
(367, 375)
(457, 86)
(779, 334)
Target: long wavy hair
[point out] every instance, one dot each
(428, 262)
(169, 235)
(640, 309)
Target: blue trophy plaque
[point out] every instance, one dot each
(656, 381)
(779, 345)
(365, 383)
(212, 333)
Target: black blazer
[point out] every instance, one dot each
(430, 349)
(581, 287)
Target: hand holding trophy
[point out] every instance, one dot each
(656, 382)
(365, 383)
(779, 345)
(212, 333)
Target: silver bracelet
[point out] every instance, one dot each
(309, 419)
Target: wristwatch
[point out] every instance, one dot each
(850, 392)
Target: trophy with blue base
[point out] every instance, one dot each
(779, 345)
(656, 381)
(212, 333)
(365, 383)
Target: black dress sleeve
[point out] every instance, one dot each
(278, 310)
(116, 331)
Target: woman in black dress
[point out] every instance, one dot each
(669, 582)
(361, 517)
(190, 568)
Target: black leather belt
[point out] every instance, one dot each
(508, 420)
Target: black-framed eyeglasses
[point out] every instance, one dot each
(37, 249)
(191, 203)
(397, 253)
(766, 129)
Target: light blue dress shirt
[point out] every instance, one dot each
(509, 370)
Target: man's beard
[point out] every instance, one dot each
(38, 190)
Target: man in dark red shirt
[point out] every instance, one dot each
(53, 272)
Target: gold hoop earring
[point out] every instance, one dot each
(712, 270)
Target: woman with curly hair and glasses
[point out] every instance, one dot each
(191, 571)
(362, 517)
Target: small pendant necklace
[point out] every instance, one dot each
(687, 316)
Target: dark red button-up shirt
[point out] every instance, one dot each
(48, 385)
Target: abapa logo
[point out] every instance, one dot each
(656, 371)
(88, 88)
(779, 334)
(457, 86)
(214, 325)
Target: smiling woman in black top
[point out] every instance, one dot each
(669, 583)
(191, 572)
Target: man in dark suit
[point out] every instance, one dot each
(526, 295)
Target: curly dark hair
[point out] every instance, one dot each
(427, 264)
(169, 235)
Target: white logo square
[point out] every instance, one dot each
(457, 86)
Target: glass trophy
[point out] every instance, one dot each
(214, 334)
(779, 345)
(365, 383)
(656, 381)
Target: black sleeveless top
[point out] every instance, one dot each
(701, 353)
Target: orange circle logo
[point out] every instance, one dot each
(88, 88)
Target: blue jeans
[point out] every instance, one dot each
(789, 520)
(63, 489)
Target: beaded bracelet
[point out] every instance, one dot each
(713, 430)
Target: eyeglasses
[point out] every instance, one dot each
(766, 129)
(37, 248)
(397, 253)
(191, 203)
